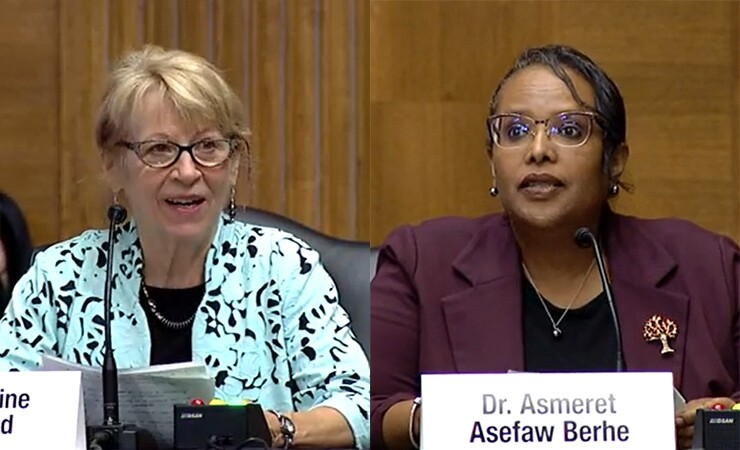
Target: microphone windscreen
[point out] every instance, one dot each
(583, 237)
(116, 214)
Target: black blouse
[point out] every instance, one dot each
(588, 342)
(177, 305)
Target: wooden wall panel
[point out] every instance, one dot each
(675, 84)
(83, 51)
(231, 44)
(231, 54)
(301, 110)
(160, 22)
(195, 26)
(29, 102)
(337, 181)
(288, 60)
(267, 108)
(359, 64)
(125, 25)
(434, 65)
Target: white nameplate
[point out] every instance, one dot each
(567, 411)
(41, 410)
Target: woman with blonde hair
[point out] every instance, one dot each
(191, 283)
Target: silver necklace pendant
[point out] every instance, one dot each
(556, 331)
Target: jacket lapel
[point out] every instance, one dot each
(129, 331)
(640, 269)
(484, 321)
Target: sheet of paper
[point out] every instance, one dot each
(678, 400)
(146, 395)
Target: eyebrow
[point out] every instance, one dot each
(556, 113)
(516, 111)
(199, 135)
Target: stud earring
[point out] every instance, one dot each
(493, 191)
(614, 190)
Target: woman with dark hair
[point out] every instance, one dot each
(15, 247)
(512, 291)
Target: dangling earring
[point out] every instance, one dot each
(232, 205)
(493, 191)
(613, 190)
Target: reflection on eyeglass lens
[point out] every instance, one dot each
(565, 129)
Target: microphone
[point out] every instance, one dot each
(112, 435)
(116, 215)
(584, 238)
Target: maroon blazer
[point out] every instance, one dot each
(447, 298)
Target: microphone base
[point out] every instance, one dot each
(716, 430)
(220, 426)
(120, 437)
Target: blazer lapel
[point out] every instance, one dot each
(484, 322)
(639, 269)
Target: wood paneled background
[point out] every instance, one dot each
(315, 73)
(300, 66)
(434, 65)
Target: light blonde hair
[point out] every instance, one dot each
(194, 86)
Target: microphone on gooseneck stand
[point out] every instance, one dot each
(116, 215)
(585, 238)
(112, 435)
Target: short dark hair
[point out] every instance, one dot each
(611, 116)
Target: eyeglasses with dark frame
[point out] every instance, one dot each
(161, 154)
(564, 129)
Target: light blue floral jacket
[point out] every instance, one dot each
(269, 328)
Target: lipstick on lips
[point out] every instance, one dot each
(540, 185)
